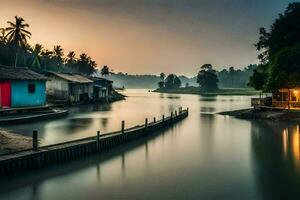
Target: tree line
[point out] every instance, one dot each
(279, 56)
(17, 52)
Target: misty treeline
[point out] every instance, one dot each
(228, 78)
(15, 51)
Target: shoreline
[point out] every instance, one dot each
(274, 115)
(12, 142)
(196, 91)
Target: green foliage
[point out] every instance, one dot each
(279, 52)
(172, 81)
(161, 84)
(105, 70)
(285, 69)
(162, 76)
(207, 78)
(235, 78)
(257, 79)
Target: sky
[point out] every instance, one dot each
(150, 36)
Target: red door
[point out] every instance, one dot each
(5, 94)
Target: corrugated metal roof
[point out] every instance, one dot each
(76, 78)
(19, 73)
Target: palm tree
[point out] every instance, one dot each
(71, 57)
(17, 34)
(37, 53)
(2, 36)
(58, 51)
(46, 58)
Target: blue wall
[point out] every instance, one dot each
(20, 96)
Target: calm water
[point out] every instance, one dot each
(206, 156)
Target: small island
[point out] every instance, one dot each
(207, 79)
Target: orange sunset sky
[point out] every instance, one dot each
(149, 37)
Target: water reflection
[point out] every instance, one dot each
(276, 149)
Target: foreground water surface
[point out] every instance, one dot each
(206, 156)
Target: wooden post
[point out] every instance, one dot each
(98, 140)
(163, 118)
(123, 127)
(154, 119)
(34, 140)
(146, 122)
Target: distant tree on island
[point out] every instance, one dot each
(15, 51)
(207, 78)
(172, 81)
(280, 53)
(235, 78)
(162, 76)
(161, 83)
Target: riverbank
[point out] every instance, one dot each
(11, 142)
(274, 115)
(195, 90)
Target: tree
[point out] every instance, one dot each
(71, 57)
(36, 52)
(105, 70)
(172, 81)
(17, 34)
(161, 84)
(86, 65)
(162, 76)
(278, 52)
(257, 79)
(3, 36)
(207, 78)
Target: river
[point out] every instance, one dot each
(206, 156)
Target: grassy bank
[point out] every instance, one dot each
(223, 91)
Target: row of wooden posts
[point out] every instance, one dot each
(35, 145)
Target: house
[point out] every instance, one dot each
(102, 88)
(69, 88)
(21, 87)
(284, 98)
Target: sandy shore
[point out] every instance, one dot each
(11, 142)
(274, 115)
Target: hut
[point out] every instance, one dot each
(102, 88)
(21, 87)
(69, 88)
(283, 98)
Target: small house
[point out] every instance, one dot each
(69, 88)
(283, 98)
(102, 88)
(286, 98)
(21, 87)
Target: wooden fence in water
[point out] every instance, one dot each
(39, 157)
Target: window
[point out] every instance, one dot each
(31, 88)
